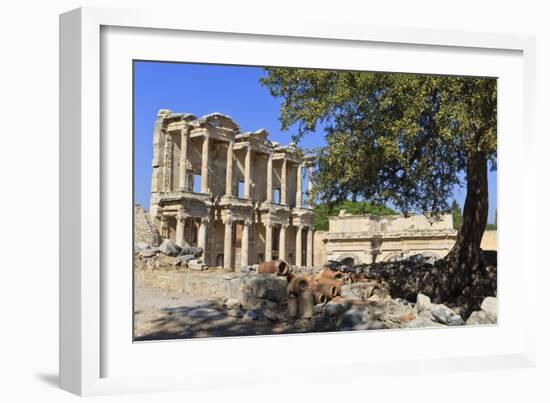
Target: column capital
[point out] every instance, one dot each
(205, 220)
(247, 222)
(228, 220)
(186, 129)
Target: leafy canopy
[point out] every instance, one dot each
(398, 138)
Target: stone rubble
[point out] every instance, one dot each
(362, 301)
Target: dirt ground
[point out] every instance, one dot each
(162, 315)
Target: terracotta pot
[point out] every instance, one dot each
(337, 283)
(298, 285)
(320, 298)
(292, 307)
(279, 267)
(306, 301)
(326, 273)
(329, 290)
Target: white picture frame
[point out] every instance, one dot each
(91, 343)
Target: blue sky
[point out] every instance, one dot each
(201, 89)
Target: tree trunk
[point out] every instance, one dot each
(464, 257)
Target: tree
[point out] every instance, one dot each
(399, 138)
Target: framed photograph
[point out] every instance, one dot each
(254, 195)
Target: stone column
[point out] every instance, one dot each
(156, 174)
(244, 243)
(283, 182)
(229, 170)
(299, 246)
(227, 243)
(180, 230)
(299, 185)
(309, 247)
(168, 163)
(282, 242)
(268, 242)
(269, 186)
(310, 186)
(205, 163)
(202, 237)
(164, 227)
(247, 172)
(183, 158)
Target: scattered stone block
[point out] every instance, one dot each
(354, 319)
(490, 306)
(196, 265)
(333, 308)
(232, 303)
(169, 248)
(354, 290)
(445, 315)
(423, 302)
(480, 318)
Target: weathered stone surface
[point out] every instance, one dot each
(355, 319)
(423, 302)
(169, 248)
(183, 260)
(490, 306)
(232, 303)
(271, 288)
(145, 233)
(445, 315)
(334, 308)
(193, 251)
(197, 265)
(354, 290)
(480, 318)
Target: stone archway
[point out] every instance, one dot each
(350, 259)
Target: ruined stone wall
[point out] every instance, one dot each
(144, 230)
(319, 248)
(394, 223)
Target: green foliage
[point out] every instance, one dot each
(457, 214)
(323, 211)
(398, 138)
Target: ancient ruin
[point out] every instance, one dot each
(244, 200)
(228, 247)
(354, 239)
(239, 196)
